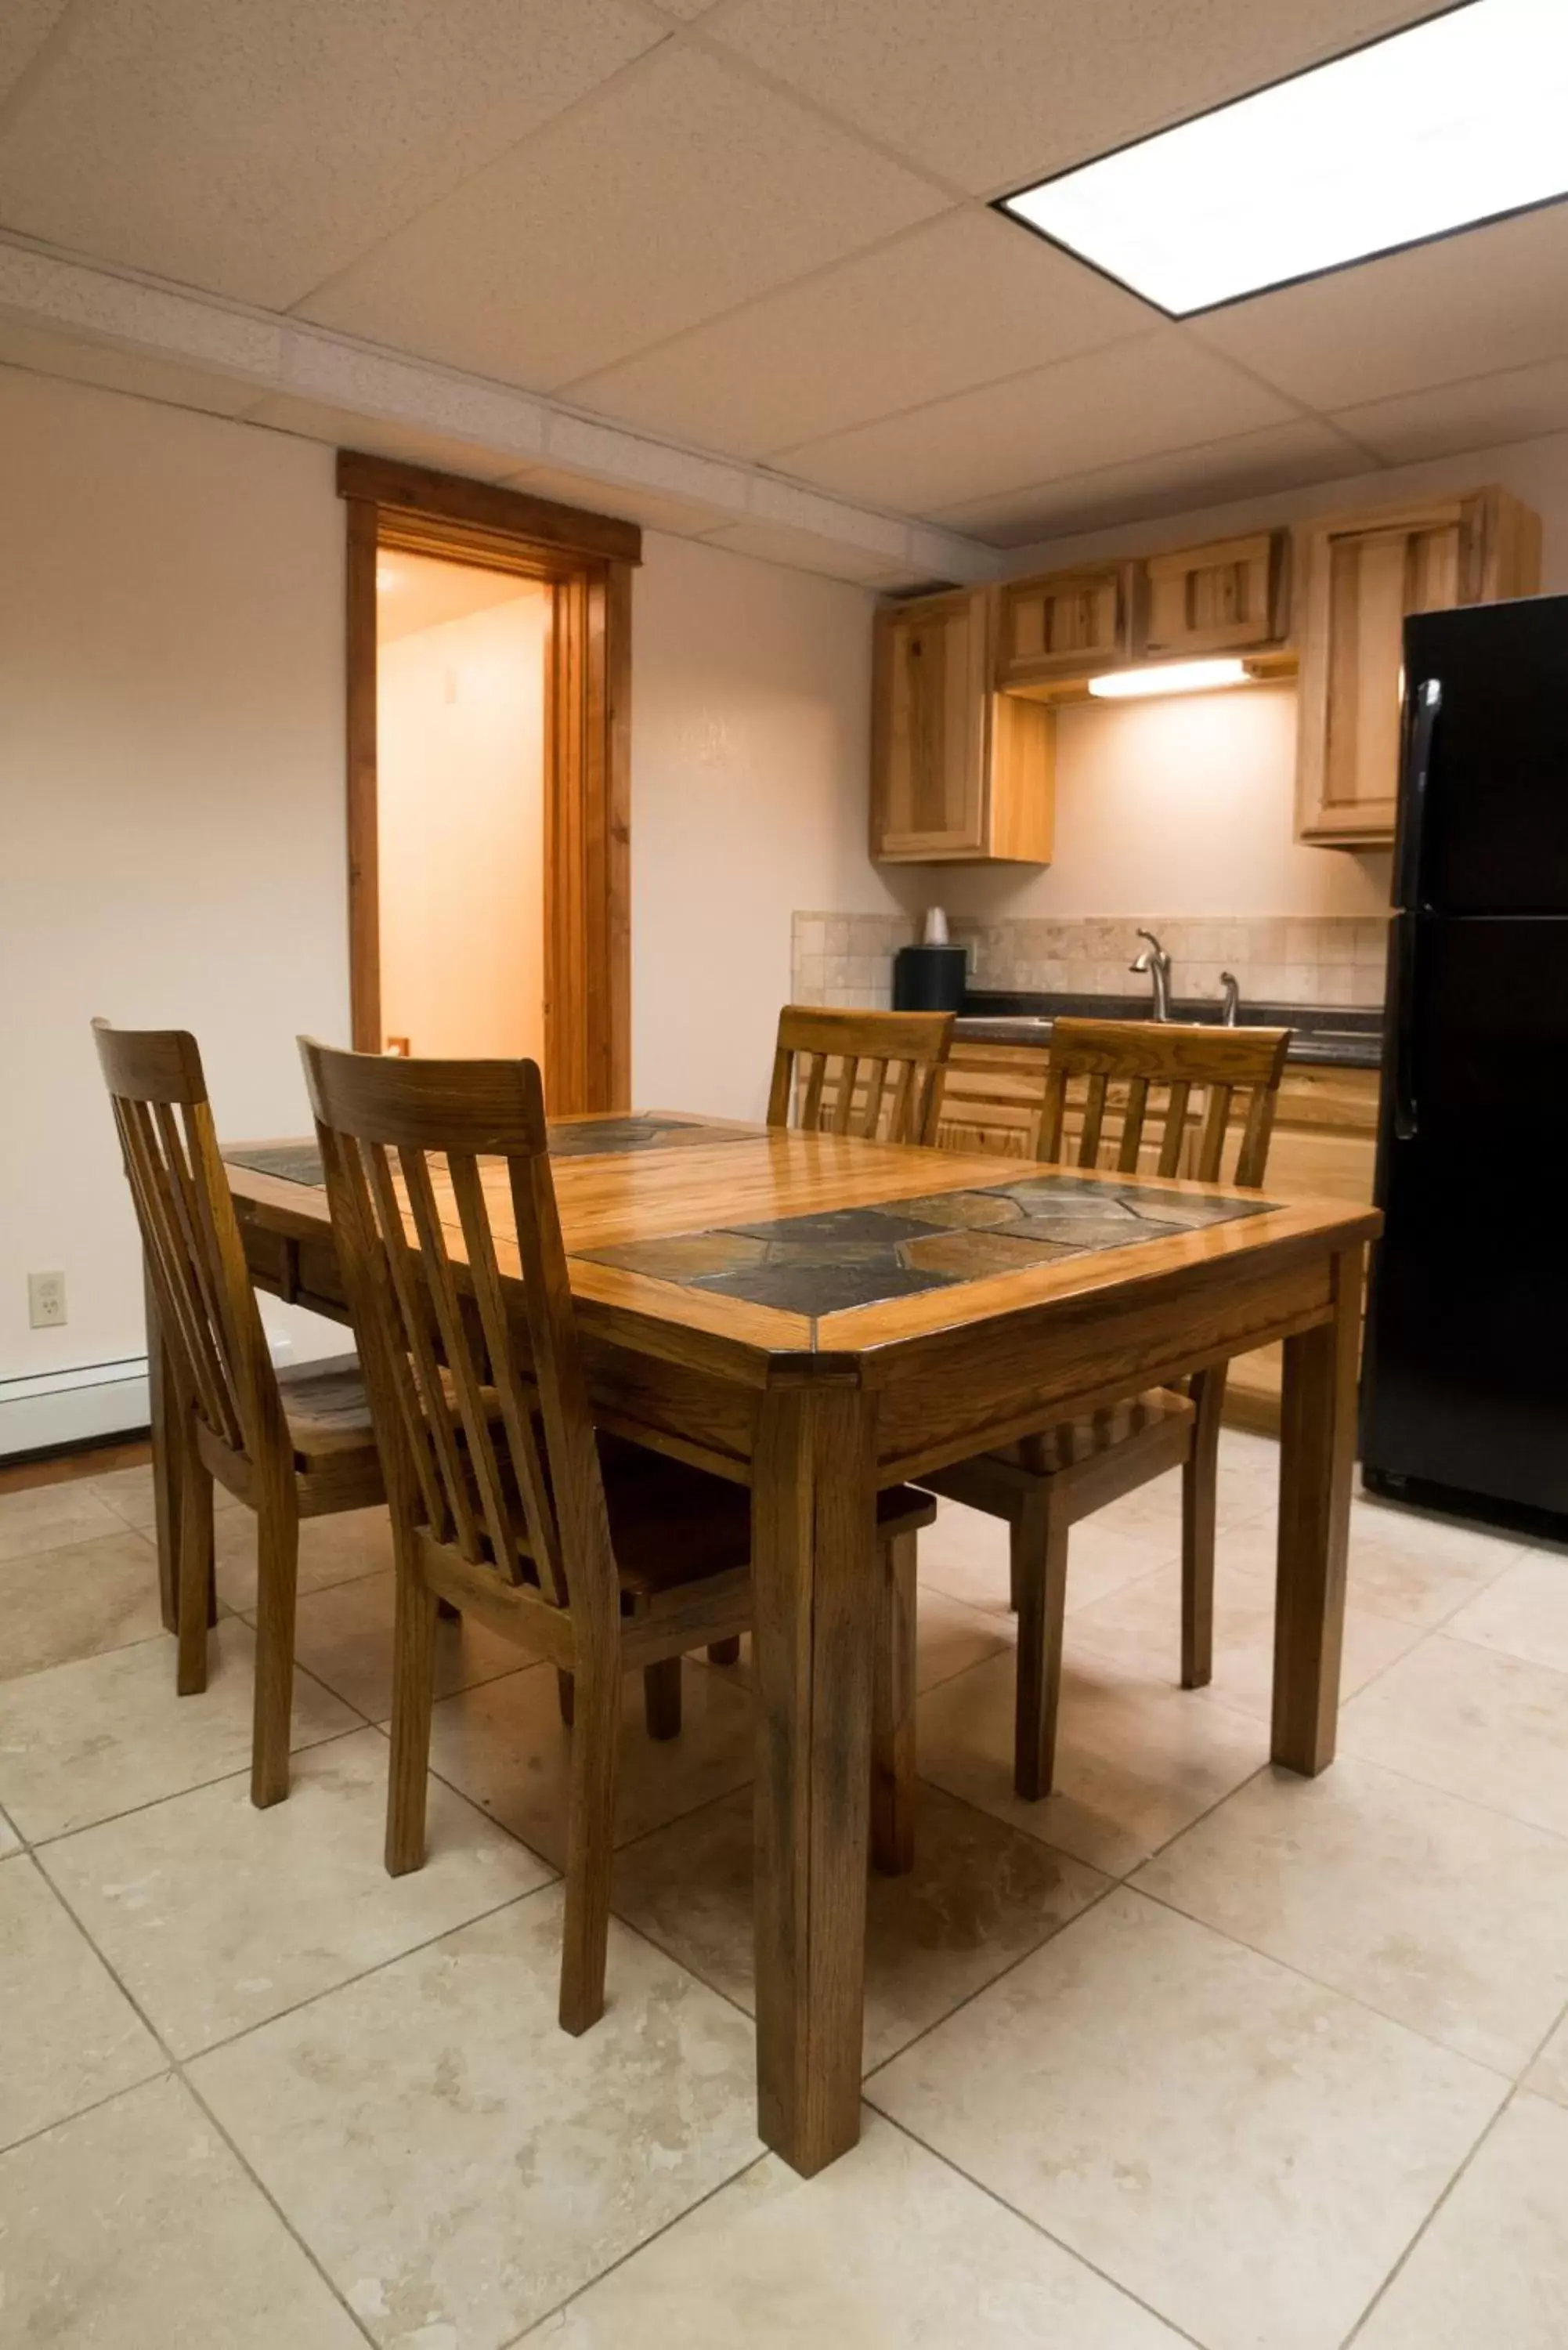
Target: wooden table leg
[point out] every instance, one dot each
(1317, 1449)
(167, 1494)
(813, 1566)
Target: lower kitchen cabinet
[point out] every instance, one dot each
(1324, 1146)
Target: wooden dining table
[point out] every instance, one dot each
(817, 1317)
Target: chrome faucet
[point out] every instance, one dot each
(1154, 964)
(1231, 1001)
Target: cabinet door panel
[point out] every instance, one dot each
(932, 701)
(1223, 598)
(1362, 576)
(1065, 624)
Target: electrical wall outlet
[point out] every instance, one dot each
(45, 1300)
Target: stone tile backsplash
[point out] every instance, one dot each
(847, 959)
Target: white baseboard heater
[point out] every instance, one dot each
(78, 1406)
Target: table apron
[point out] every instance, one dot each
(1007, 1378)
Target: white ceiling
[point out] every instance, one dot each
(755, 229)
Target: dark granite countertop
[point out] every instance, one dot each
(1333, 1035)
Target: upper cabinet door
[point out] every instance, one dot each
(1067, 624)
(929, 754)
(1226, 598)
(1360, 577)
(959, 773)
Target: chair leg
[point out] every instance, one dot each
(413, 1687)
(194, 1552)
(565, 1694)
(726, 1652)
(277, 1554)
(1040, 1569)
(590, 1845)
(893, 1712)
(661, 1698)
(1199, 1487)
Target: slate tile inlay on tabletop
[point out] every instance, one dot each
(845, 1257)
(300, 1162)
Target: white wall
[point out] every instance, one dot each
(751, 717)
(171, 804)
(460, 768)
(171, 808)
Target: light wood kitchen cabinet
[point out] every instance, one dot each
(1357, 579)
(1065, 624)
(1324, 1146)
(1229, 597)
(959, 773)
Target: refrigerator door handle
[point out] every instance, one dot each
(1405, 1118)
(1428, 701)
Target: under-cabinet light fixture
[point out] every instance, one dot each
(1453, 121)
(1169, 677)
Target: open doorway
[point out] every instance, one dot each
(561, 577)
(460, 732)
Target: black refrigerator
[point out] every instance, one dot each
(1465, 1382)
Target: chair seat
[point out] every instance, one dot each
(1076, 1442)
(328, 1411)
(672, 1524)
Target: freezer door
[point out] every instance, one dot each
(1483, 802)
(1466, 1377)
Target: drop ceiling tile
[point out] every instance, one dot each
(994, 92)
(408, 444)
(118, 371)
(25, 27)
(253, 151)
(681, 191)
(1494, 296)
(1283, 457)
(801, 551)
(1483, 413)
(1160, 391)
(958, 301)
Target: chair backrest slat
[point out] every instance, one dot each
(1120, 1065)
(1174, 1139)
(467, 1353)
(191, 1236)
(1093, 1121)
(1133, 1117)
(821, 1054)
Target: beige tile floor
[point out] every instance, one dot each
(1194, 2053)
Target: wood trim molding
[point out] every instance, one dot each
(510, 513)
(588, 750)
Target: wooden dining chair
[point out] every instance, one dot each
(292, 1444)
(595, 1552)
(993, 1098)
(870, 1074)
(1214, 1085)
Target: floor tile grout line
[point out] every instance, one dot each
(1319, 1983)
(1439, 2204)
(284, 2221)
(173, 1794)
(546, 2317)
(1071, 2250)
(177, 2070)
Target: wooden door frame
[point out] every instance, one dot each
(585, 560)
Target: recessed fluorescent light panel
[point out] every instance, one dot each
(1172, 677)
(1458, 121)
